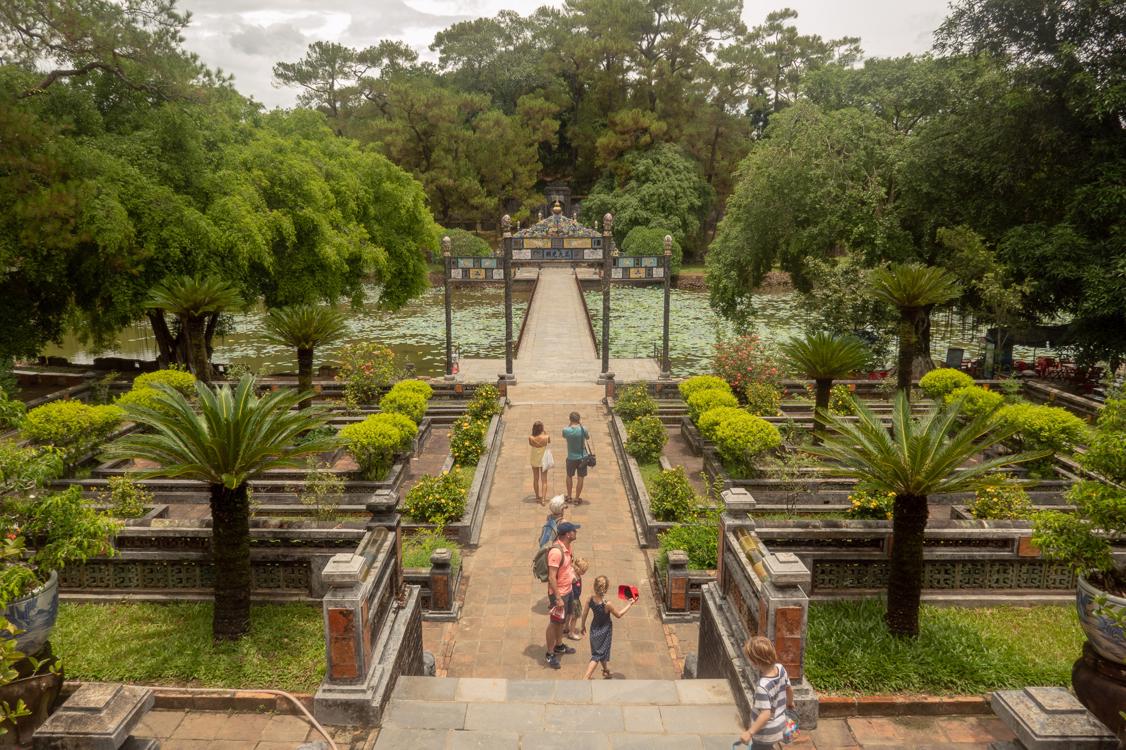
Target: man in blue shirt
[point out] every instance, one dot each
(576, 436)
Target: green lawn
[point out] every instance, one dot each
(170, 644)
(959, 651)
(649, 473)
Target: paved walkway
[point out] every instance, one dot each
(557, 346)
(222, 730)
(504, 615)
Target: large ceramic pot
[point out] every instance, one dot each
(35, 614)
(1104, 635)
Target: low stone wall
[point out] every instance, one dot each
(437, 586)
(174, 563)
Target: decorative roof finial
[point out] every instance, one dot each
(608, 223)
(505, 223)
(446, 244)
(668, 244)
(539, 215)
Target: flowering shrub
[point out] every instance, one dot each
(436, 500)
(410, 404)
(1002, 499)
(711, 419)
(671, 497)
(937, 383)
(763, 399)
(467, 440)
(744, 360)
(702, 401)
(375, 441)
(635, 402)
(126, 498)
(741, 438)
(870, 504)
(698, 383)
(646, 438)
(71, 426)
(178, 379)
(365, 369)
(976, 400)
(841, 401)
(485, 403)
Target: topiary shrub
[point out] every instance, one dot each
(710, 419)
(409, 404)
(421, 387)
(646, 439)
(868, 504)
(937, 383)
(742, 438)
(699, 540)
(635, 402)
(841, 401)
(467, 440)
(436, 500)
(1041, 427)
(375, 441)
(1001, 499)
(148, 398)
(671, 497)
(702, 383)
(763, 399)
(702, 401)
(71, 426)
(1106, 455)
(485, 403)
(976, 400)
(180, 380)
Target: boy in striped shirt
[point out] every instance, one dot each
(773, 695)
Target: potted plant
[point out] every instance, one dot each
(43, 535)
(28, 689)
(1084, 540)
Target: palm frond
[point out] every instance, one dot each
(193, 295)
(826, 355)
(304, 326)
(913, 285)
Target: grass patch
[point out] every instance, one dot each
(170, 644)
(418, 548)
(649, 473)
(959, 650)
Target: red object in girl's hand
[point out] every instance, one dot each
(627, 592)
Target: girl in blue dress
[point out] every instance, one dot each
(602, 626)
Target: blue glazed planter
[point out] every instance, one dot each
(35, 614)
(1103, 634)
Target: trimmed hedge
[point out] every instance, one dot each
(646, 439)
(635, 402)
(709, 420)
(702, 383)
(1041, 427)
(706, 400)
(70, 425)
(180, 380)
(937, 383)
(375, 441)
(976, 400)
(409, 404)
(742, 438)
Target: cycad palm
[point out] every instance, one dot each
(304, 327)
(234, 436)
(914, 289)
(915, 458)
(197, 302)
(824, 357)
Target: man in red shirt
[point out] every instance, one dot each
(559, 577)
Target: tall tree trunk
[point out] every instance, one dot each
(305, 375)
(823, 388)
(197, 347)
(906, 356)
(905, 578)
(230, 554)
(165, 342)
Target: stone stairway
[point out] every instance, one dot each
(499, 714)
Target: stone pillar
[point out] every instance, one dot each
(98, 716)
(449, 309)
(441, 595)
(676, 595)
(1045, 718)
(666, 367)
(607, 272)
(506, 264)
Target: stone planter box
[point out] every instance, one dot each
(679, 588)
(467, 531)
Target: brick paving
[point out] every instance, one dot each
(222, 730)
(504, 614)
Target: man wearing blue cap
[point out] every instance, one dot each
(559, 578)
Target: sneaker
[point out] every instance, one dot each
(563, 648)
(552, 661)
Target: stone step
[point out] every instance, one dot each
(500, 713)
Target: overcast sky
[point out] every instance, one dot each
(246, 37)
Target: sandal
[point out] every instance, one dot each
(606, 674)
(578, 501)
